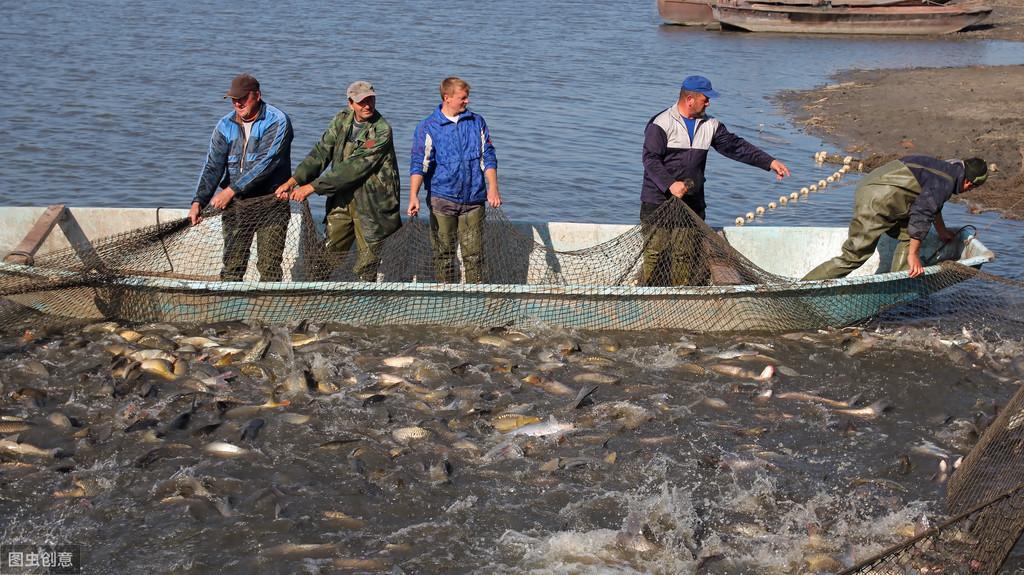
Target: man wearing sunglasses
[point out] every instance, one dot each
(248, 158)
(901, 199)
(361, 186)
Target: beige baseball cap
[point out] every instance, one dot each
(360, 90)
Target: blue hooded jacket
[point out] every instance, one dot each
(453, 156)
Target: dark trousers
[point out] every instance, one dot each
(267, 220)
(664, 234)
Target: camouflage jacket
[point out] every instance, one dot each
(368, 173)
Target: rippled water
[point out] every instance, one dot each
(111, 104)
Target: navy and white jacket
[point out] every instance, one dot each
(452, 156)
(939, 180)
(670, 156)
(253, 168)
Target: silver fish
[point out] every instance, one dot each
(870, 412)
(543, 428)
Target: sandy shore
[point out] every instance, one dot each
(878, 115)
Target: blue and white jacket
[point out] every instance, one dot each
(453, 156)
(253, 168)
(670, 155)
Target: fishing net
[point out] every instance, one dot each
(985, 496)
(266, 260)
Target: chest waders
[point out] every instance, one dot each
(881, 206)
(343, 229)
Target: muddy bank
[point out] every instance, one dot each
(1005, 23)
(878, 115)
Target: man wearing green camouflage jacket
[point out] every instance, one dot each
(362, 185)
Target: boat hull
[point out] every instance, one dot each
(895, 20)
(743, 308)
(193, 295)
(695, 13)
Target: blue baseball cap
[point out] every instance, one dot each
(699, 84)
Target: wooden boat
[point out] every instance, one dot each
(686, 12)
(784, 251)
(916, 19)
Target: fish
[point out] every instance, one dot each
(360, 564)
(930, 449)
(247, 411)
(594, 377)
(27, 449)
(714, 403)
(736, 371)
(399, 361)
(297, 384)
(9, 427)
(735, 353)
(544, 428)
(294, 418)
(224, 449)
(30, 396)
(804, 396)
(130, 335)
(199, 342)
(158, 453)
(870, 412)
(342, 519)
(886, 483)
(159, 367)
(58, 420)
(549, 385)
(503, 451)
(860, 345)
(252, 429)
(156, 341)
(583, 396)
(507, 422)
(493, 340)
(144, 354)
(259, 349)
(302, 550)
(439, 472)
(409, 434)
(692, 369)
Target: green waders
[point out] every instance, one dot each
(267, 220)
(679, 238)
(466, 228)
(881, 206)
(342, 231)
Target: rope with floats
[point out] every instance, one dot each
(805, 191)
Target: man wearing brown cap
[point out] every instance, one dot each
(361, 185)
(249, 157)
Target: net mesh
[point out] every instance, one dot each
(267, 260)
(269, 263)
(985, 497)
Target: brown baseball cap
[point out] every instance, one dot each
(360, 90)
(242, 85)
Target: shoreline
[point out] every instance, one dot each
(879, 115)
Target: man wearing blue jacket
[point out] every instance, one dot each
(453, 157)
(901, 199)
(248, 158)
(676, 144)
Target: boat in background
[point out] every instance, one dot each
(686, 12)
(832, 18)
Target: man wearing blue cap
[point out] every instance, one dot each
(676, 144)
